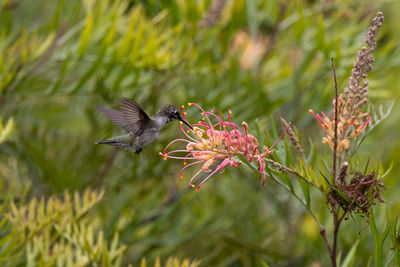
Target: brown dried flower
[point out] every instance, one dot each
(358, 195)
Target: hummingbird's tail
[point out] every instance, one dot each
(123, 141)
(107, 142)
(111, 142)
(119, 144)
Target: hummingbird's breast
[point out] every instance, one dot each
(148, 136)
(159, 121)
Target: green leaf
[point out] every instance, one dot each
(84, 40)
(306, 192)
(395, 238)
(378, 239)
(351, 255)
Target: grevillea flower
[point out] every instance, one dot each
(351, 119)
(347, 128)
(209, 143)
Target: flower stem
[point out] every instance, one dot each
(336, 224)
(336, 123)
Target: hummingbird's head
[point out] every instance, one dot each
(172, 113)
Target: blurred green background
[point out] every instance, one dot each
(261, 59)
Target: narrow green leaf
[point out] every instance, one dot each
(306, 192)
(389, 259)
(395, 237)
(89, 73)
(377, 242)
(84, 41)
(125, 46)
(349, 260)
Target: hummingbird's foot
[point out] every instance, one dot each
(138, 151)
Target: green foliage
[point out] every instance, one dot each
(379, 239)
(377, 118)
(58, 231)
(172, 262)
(61, 58)
(6, 130)
(394, 235)
(351, 256)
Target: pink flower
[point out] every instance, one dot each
(349, 126)
(223, 140)
(351, 120)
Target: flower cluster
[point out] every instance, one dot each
(351, 121)
(346, 129)
(218, 144)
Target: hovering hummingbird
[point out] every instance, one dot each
(141, 129)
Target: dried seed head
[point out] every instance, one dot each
(279, 166)
(292, 136)
(341, 178)
(357, 92)
(351, 120)
(213, 14)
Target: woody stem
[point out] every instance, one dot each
(336, 123)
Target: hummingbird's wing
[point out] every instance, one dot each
(135, 117)
(115, 116)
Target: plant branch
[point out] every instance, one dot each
(336, 222)
(322, 231)
(336, 123)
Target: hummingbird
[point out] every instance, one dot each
(141, 129)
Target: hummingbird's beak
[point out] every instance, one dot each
(185, 122)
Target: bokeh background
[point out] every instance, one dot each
(261, 59)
